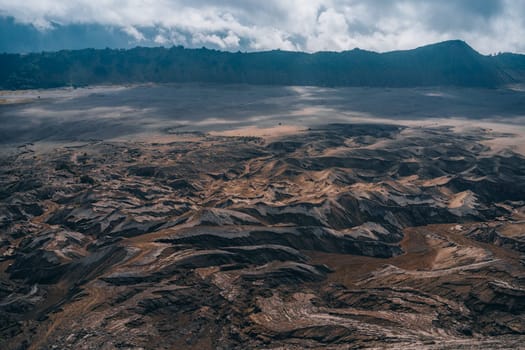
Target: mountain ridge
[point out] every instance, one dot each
(448, 63)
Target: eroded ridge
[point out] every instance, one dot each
(344, 236)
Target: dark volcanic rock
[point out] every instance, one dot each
(343, 236)
(39, 266)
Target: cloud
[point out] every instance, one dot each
(310, 25)
(134, 33)
(228, 41)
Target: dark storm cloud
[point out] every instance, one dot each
(311, 25)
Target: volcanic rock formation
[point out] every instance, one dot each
(342, 236)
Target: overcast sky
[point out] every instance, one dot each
(307, 25)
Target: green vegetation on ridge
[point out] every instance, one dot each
(451, 63)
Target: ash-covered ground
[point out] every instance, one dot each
(207, 217)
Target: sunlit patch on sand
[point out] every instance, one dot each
(255, 131)
(437, 94)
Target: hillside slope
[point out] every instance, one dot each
(450, 63)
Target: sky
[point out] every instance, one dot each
(489, 26)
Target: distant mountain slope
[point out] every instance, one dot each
(450, 63)
(512, 64)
